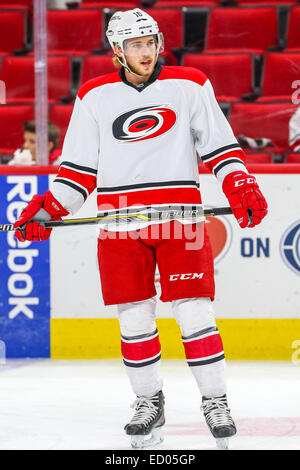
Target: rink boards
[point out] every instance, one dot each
(50, 294)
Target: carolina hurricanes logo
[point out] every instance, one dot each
(143, 123)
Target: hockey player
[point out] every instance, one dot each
(134, 135)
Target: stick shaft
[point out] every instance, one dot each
(127, 216)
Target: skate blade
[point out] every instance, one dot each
(222, 443)
(140, 441)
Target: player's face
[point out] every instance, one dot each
(140, 55)
(30, 142)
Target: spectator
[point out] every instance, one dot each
(27, 154)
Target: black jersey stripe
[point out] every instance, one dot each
(220, 150)
(227, 162)
(74, 166)
(148, 185)
(73, 186)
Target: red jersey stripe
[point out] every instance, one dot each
(183, 73)
(98, 81)
(88, 181)
(226, 156)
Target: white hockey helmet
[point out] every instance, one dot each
(132, 24)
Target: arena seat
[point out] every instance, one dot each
(273, 88)
(293, 30)
(265, 2)
(27, 3)
(263, 120)
(77, 32)
(118, 5)
(186, 3)
(292, 158)
(265, 157)
(12, 31)
(11, 135)
(241, 29)
(231, 75)
(18, 75)
(171, 24)
(95, 65)
(60, 115)
(14, 5)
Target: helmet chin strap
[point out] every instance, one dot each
(126, 67)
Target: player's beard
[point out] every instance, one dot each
(140, 70)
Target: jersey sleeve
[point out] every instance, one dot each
(215, 142)
(77, 175)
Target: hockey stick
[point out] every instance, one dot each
(150, 214)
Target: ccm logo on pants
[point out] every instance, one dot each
(183, 277)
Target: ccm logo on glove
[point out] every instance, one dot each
(241, 182)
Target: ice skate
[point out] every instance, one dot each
(145, 428)
(218, 419)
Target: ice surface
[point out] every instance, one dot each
(59, 404)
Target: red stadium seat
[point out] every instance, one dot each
(171, 24)
(186, 3)
(27, 3)
(241, 29)
(14, 5)
(75, 32)
(259, 158)
(263, 120)
(119, 5)
(293, 30)
(95, 65)
(231, 75)
(11, 134)
(18, 75)
(273, 87)
(12, 31)
(265, 2)
(60, 116)
(292, 158)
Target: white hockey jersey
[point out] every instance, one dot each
(138, 145)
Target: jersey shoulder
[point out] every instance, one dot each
(182, 73)
(97, 82)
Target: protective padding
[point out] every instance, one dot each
(137, 318)
(193, 315)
